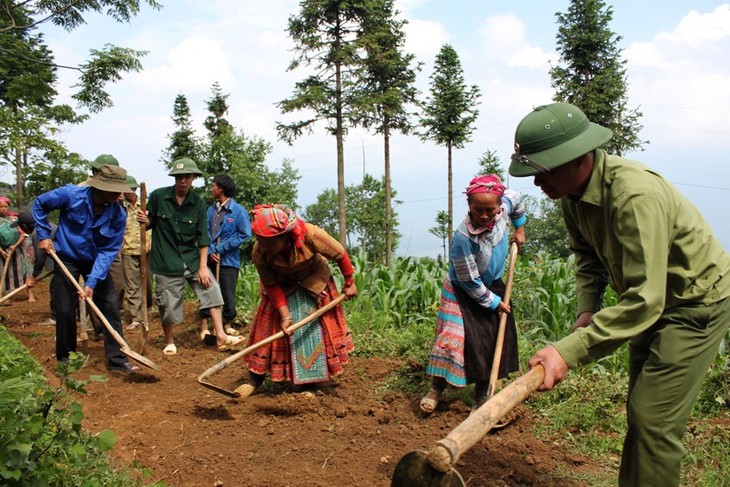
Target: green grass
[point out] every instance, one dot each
(41, 440)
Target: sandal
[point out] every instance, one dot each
(232, 331)
(430, 401)
(231, 341)
(245, 390)
(126, 368)
(170, 349)
(203, 334)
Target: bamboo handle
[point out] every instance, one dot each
(494, 374)
(89, 301)
(446, 452)
(229, 360)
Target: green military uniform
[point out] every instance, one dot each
(633, 230)
(179, 231)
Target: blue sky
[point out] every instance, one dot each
(678, 74)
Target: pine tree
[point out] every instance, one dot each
(326, 34)
(387, 83)
(450, 111)
(591, 74)
(182, 141)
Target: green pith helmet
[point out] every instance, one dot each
(552, 135)
(131, 182)
(184, 166)
(107, 159)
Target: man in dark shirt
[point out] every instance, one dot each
(177, 217)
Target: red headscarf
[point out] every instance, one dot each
(486, 184)
(272, 220)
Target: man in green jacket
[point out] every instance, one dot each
(630, 228)
(177, 217)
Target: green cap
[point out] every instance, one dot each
(552, 135)
(131, 182)
(184, 166)
(107, 159)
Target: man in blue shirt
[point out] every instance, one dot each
(229, 227)
(88, 238)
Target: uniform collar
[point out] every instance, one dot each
(594, 191)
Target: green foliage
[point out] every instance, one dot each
(489, 163)
(546, 228)
(450, 110)
(41, 438)
(592, 75)
(183, 142)
(368, 223)
(441, 230)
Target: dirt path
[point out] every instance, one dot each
(343, 433)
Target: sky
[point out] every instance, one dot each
(677, 70)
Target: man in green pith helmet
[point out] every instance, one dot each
(630, 228)
(180, 240)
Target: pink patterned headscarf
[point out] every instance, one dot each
(273, 220)
(4, 199)
(485, 184)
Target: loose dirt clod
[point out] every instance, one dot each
(347, 433)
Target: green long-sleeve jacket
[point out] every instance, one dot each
(634, 230)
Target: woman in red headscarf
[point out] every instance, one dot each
(291, 257)
(471, 299)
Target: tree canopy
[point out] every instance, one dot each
(592, 75)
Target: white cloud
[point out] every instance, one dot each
(191, 66)
(696, 29)
(424, 38)
(503, 39)
(677, 79)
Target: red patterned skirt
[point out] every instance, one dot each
(276, 358)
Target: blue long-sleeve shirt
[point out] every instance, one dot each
(233, 232)
(82, 236)
(478, 260)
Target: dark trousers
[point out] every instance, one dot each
(227, 281)
(66, 298)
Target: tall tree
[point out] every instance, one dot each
(489, 163)
(104, 66)
(591, 74)
(183, 142)
(326, 35)
(228, 150)
(449, 112)
(28, 118)
(441, 230)
(387, 82)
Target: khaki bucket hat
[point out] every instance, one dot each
(552, 135)
(112, 179)
(184, 166)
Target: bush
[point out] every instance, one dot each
(41, 440)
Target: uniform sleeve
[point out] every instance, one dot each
(641, 226)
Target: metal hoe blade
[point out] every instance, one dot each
(414, 470)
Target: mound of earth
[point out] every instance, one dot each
(345, 432)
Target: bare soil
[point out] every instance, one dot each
(345, 432)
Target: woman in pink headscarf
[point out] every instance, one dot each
(291, 257)
(471, 298)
